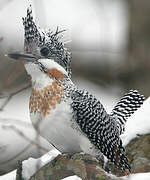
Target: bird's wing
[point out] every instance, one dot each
(127, 105)
(98, 127)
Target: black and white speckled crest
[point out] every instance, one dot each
(31, 31)
(45, 44)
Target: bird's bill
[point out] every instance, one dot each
(22, 57)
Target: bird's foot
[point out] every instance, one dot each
(68, 154)
(102, 163)
(19, 171)
(71, 154)
(126, 172)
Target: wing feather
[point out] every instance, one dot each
(97, 125)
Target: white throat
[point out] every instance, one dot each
(39, 79)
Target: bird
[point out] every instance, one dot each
(73, 120)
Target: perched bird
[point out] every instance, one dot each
(73, 120)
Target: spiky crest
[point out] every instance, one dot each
(45, 43)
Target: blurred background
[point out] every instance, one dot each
(110, 41)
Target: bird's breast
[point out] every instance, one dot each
(55, 119)
(59, 127)
(46, 99)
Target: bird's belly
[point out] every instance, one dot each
(61, 130)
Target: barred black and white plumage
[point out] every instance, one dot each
(127, 105)
(98, 126)
(72, 120)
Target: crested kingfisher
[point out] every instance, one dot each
(72, 120)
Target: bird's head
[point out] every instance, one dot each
(45, 44)
(42, 71)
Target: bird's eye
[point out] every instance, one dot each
(44, 51)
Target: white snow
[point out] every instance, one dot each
(9, 176)
(72, 178)
(138, 123)
(138, 176)
(31, 165)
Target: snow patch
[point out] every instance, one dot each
(72, 178)
(138, 123)
(138, 176)
(31, 165)
(9, 176)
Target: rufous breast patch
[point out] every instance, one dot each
(44, 100)
(55, 73)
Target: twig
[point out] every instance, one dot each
(11, 95)
(15, 121)
(37, 127)
(25, 137)
(5, 102)
(1, 39)
(19, 171)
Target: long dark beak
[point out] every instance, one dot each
(23, 57)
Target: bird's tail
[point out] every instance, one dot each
(127, 105)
